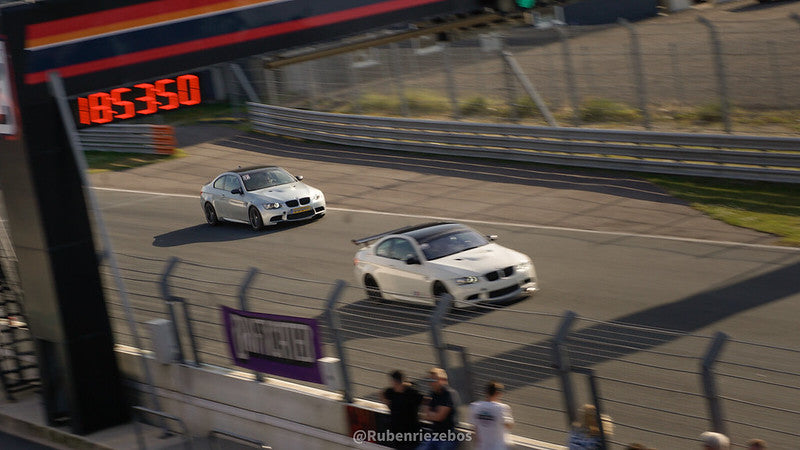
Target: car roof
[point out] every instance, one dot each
(421, 233)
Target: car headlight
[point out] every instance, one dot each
(472, 279)
(317, 196)
(275, 205)
(523, 267)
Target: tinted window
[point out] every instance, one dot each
(232, 182)
(395, 248)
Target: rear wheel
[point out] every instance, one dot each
(372, 288)
(211, 214)
(256, 222)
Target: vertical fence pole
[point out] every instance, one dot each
(169, 299)
(709, 385)
(719, 67)
(244, 83)
(676, 73)
(335, 325)
(562, 365)
(572, 89)
(272, 89)
(397, 76)
(638, 71)
(248, 279)
(451, 83)
(442, 306)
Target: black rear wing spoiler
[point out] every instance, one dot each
(368, 239)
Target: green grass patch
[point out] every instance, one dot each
(768, 207)
(604, 110)
(111, 161)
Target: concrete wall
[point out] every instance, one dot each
(283, 415)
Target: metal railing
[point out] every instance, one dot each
(711, 155)
(129, 138)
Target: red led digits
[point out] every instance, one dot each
(142, 99)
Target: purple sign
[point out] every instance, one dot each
(279, 345)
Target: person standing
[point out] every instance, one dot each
(585, 433)
(441, 410)
(492, 420)
(403, 401)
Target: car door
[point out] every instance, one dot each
(219, 197)
(237, 205)
(397, 277)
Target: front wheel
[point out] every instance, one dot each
(256, 222)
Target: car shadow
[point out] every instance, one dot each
(392, 319)
(225, 232)
(757, 6)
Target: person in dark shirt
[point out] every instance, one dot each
(403, 401)
(441, 410)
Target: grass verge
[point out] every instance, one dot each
(768, 207)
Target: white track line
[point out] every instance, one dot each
(508, 224)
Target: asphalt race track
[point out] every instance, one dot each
(607, 246)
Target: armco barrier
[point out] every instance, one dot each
(711, 155)
(134, 138)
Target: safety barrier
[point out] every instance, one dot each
(135, 138)
(710, 155)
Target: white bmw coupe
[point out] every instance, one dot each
(421, 263)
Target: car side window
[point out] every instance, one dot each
(219, 183)
(231, 183)
(403, 250)
(395, 248)
(384, 249)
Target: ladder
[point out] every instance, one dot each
(18, 365)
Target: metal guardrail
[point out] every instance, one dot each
(711, 155)
(133, 138)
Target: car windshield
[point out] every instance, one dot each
(264, 178)
(452, 243)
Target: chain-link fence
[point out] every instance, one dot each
(650, 379)
(674, 73)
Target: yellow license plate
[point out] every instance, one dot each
(301, 209)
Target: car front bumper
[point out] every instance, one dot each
(286, 214)
(498, 291)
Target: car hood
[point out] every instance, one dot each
(285, 192)
(480, 260)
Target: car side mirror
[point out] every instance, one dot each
(236, 191)
(412, 260)
(299, 178)
(492, 237)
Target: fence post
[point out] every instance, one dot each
(638, 71)
(709, 386)
(570, 76)
(171, 300)
(398, 78)
(676, 73)
(244, 83)
(562, 365)
(272, 89)
(517, 71)
(719, 67)
(594, 390)
(251, 274)
(451, 83)
(335, 325)
(442, 306)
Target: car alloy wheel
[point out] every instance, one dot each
(256, 223)
(211, 214)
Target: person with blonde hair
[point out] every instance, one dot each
(715, 441)
(756, 444)
(585, 433)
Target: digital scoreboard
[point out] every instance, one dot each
(138, 100)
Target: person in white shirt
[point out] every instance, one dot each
(492, 420)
